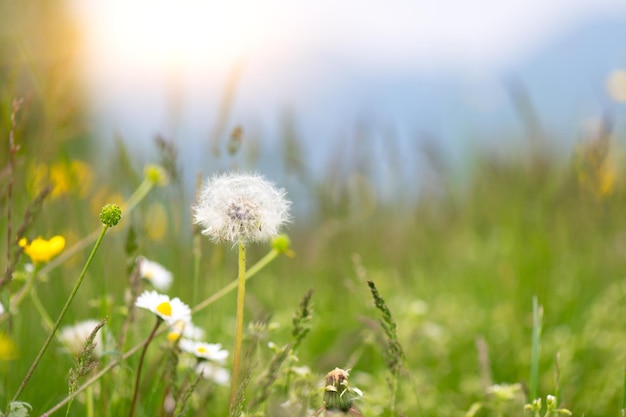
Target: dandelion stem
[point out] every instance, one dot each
(535, 347)
(139, 368)
(253, 270)
(61, 315)
(241, 292)
(233, 284)
(624, 396)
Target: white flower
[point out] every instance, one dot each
(185, 329)
(74, 337)
(160, 277)
(209, 370)
(169, 310)
(241, 208)
(1, 309)
(206, 351)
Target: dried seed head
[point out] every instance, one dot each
(241, 208)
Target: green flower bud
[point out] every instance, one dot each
(110, 215)
(156, 174)
(282, 244)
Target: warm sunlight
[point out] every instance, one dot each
(142, 36)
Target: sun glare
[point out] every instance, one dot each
(149, 35)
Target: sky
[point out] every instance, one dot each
(159, 66)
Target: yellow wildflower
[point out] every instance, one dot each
(8, 350)
(66, 177)
(41, 250)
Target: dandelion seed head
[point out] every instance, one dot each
(241, 208)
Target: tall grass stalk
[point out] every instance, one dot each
(394, 353)
(61, 315)
(535, 349)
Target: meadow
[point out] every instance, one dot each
(476, 294)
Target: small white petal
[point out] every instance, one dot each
(171, 311)
(160, 277)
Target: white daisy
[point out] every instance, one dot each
(158, 276)
(215, 373)
(160, 304)
(187, 330)
(241, 208)
(1, 309)
(205, 351)
(74, 337)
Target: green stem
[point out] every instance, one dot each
(197, 255)
(252, 271)
(241, 292)
(535, 348)
(89, 402)
(624, 396)
(41, 309)
(139, 368)
(61, 315)
(140, 193)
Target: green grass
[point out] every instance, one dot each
(453, 268)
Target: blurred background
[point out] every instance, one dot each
(464, 155)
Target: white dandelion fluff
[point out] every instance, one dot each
(170, 311)
(154, 272)
(241, 208)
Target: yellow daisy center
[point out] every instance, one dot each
(165, 308)
(173, 336)
(201, 350)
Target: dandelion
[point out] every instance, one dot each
(74, 337)
(241, 208)
(204, 351)
(158, 276)
(210, 371)
(171, 311)
(188, 330)
(41, 250)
